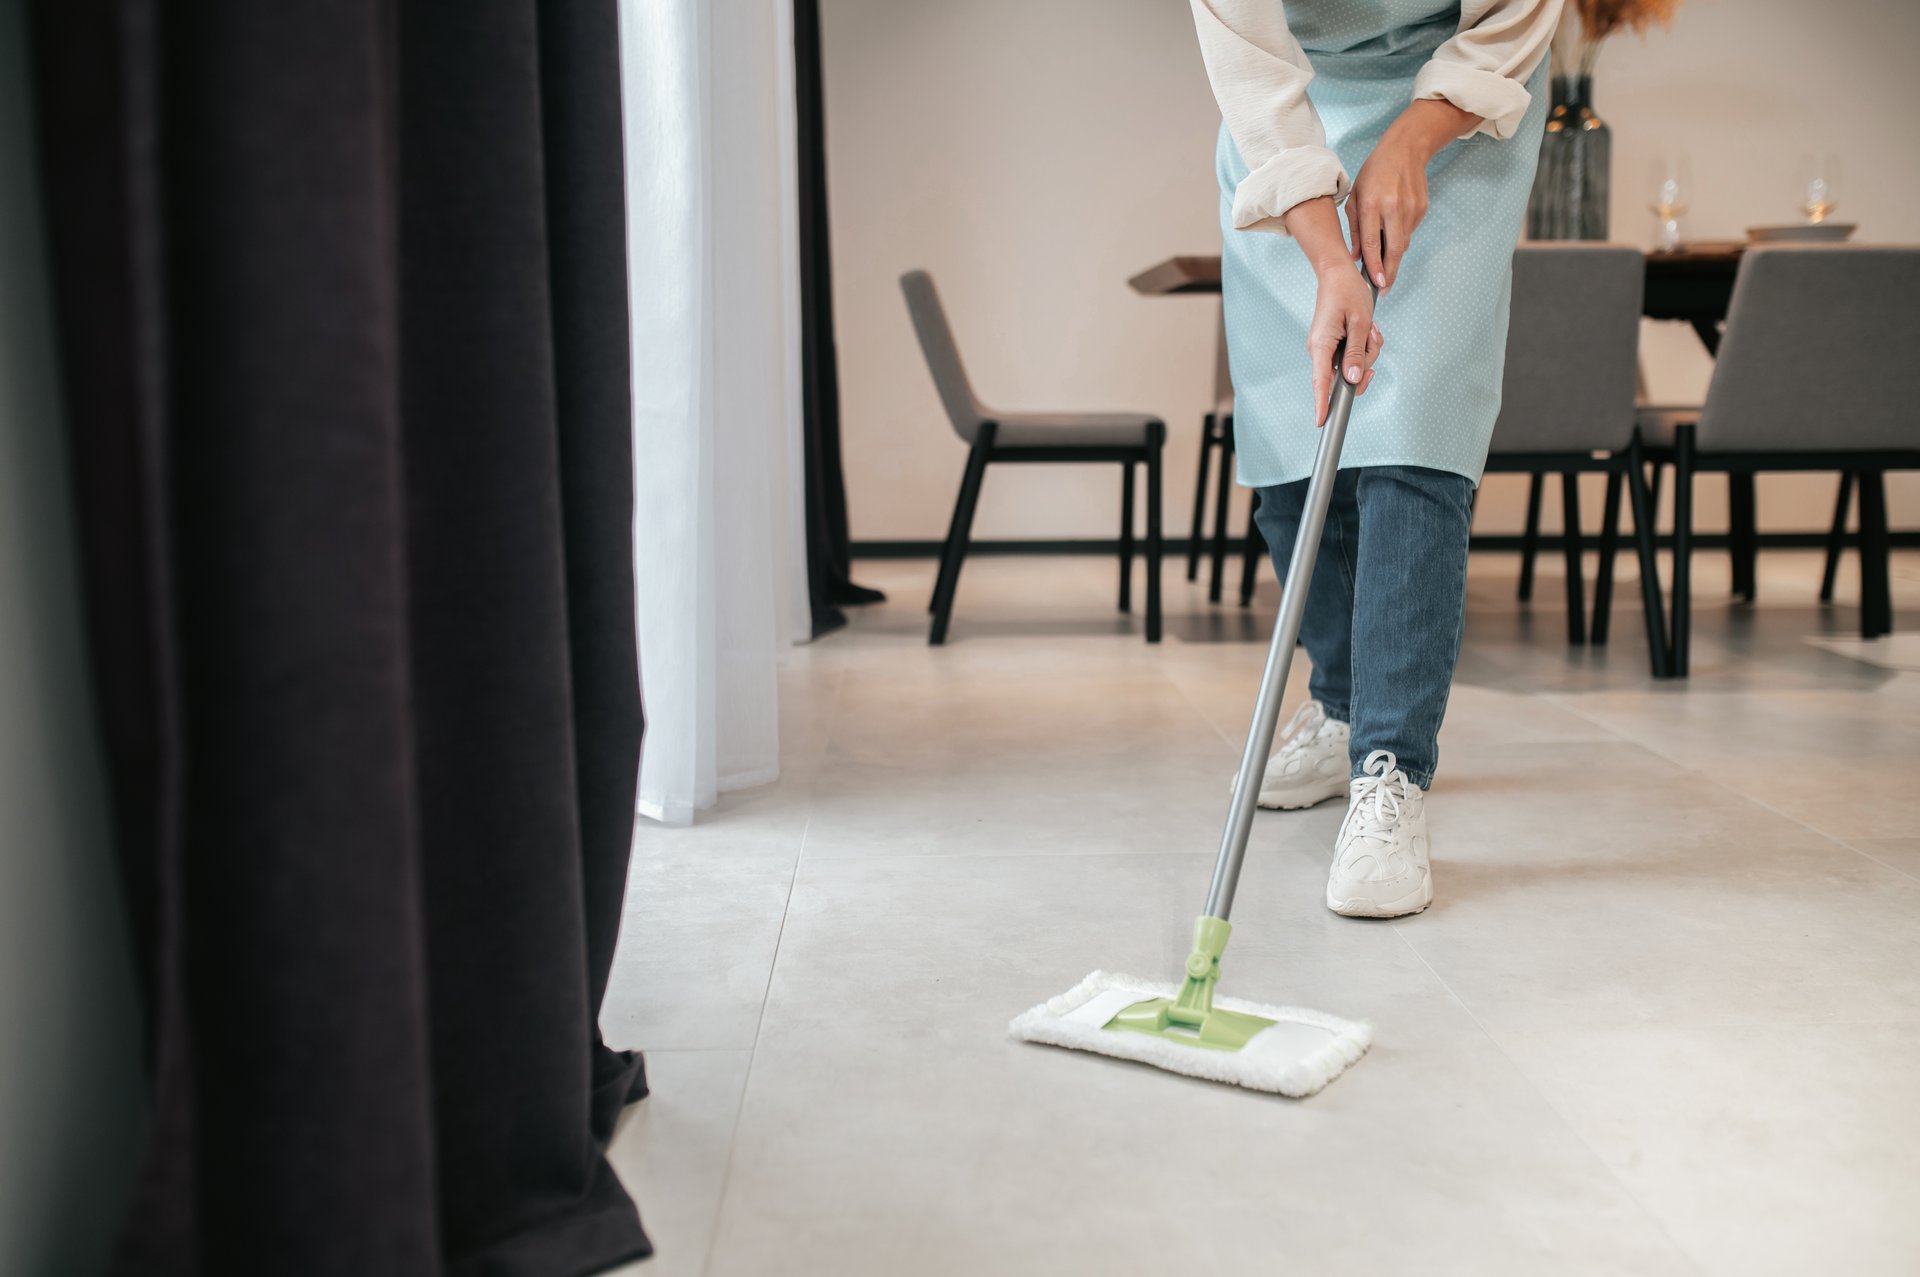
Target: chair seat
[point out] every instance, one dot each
(1068, 429)
(1657, 422)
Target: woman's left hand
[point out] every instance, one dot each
(1389, 195)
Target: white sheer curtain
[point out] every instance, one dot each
(719, 534)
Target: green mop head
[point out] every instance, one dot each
(1184, 1029)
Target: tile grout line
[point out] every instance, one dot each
(1860, 851)
(773, 963)
(1659, 1224)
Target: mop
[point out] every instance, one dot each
(1182, 1027)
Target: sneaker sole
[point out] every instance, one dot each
(1415, 901)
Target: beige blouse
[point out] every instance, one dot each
(1260, 76)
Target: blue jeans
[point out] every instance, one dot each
(1388, 603)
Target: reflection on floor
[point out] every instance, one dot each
(1663, 1018)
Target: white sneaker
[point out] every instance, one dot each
(1311, 764)
(1380, 861)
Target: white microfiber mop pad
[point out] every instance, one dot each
(1302, 1052)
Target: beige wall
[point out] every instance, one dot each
(1034, 153)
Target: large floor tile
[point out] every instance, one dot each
(703, 915)
(1115, 759)
(1772, 1148)
(1602, 883)
(671, 1152)
(891, 1128)
(1819, 756)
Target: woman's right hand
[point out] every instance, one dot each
(1342, 305)
(1342, 313)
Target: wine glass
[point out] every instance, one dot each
(1671, 183)
(1819, 186)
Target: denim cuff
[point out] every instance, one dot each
(1423, 779)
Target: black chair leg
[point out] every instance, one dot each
(1743, 533)
(1156, 440)
(1200, 498)
(1256, 550)
(1126, 536)
(946, 546)
(1609, 546)
(962, 529)
(1836, 537)
(1570, 536)
(1682, 551)
(1222, 510)
(1876, 590)
(1640, 501)
(1530, 538)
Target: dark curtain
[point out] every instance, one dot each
(342, 297)
(829, 549)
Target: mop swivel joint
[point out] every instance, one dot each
(1190, 1017)
(1203, 970)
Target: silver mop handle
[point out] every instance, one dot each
(1286, 634)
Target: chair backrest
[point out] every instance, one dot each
(1573, 347)
(1819, 352)
(943, 356)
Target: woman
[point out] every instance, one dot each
(1436, 107)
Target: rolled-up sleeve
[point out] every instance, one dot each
(1260, 76)
(1484, 67)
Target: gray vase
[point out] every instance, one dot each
(1569, 199)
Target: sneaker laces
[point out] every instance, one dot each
(1301, 728)
(1379, 795)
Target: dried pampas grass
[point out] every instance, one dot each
(1587, 23)
(1601, 18)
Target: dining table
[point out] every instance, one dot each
(1692, 284)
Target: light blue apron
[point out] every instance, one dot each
(1437, 387)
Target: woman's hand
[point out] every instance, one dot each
(1342, 304)
(1389, 195)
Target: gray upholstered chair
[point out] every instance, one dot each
(1130, 438)
(1567, 408)
(1815, 372)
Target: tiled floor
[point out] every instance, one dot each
(1664, 1017)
